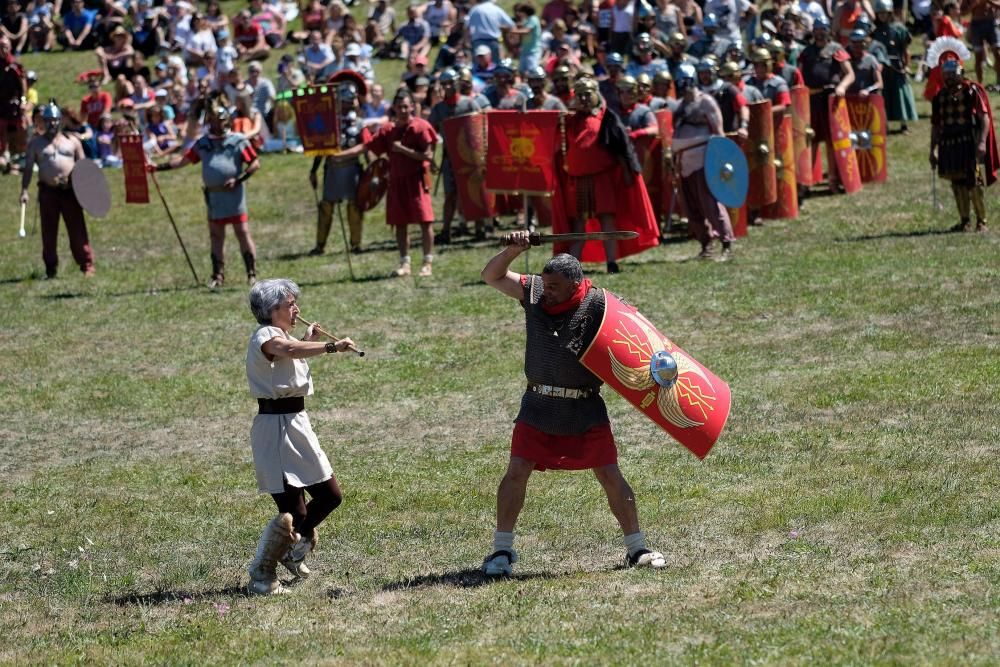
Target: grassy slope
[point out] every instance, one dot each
(848, 515)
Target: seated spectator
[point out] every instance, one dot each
(14, 25)
(75, 125)
(248, 121)
(381, 25)
(160, 135)
(227, 55)
(263, 93)
(313, 18)
(271, 22)
(41, 29)
(555, 10)
(416, 67)
(250, 41)
(375, 110)
(162, 100)
(214, 19)
(209, 71)
(142, 96)
(110, 15)
(107, 145)
(147, 36)
(320, 60)
(414, 36)
(350, 32)
(482, 63)
(179, 30)
(200, 43)
(233, 85)
(355, 60)
(440, 15)
(117, 59)
(78, 25)
(97, 102)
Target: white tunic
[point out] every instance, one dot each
(284, 446)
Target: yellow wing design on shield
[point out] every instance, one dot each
(668, 401)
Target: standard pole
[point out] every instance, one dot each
(343, 232)
(176, 231)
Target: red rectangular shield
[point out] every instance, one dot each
(521, 151)
(787, 204)
(759, 149)
(134, 168)
(868, 121)
(843, 152)
(316, 120)
(802, 136)
(693, 411)
(465, 141)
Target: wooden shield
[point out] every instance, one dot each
(787, 204)
(868, 122)
(802, 135)
(843, 151)
(373, 184)
(693, 411)
(759, 150)
(465, 141)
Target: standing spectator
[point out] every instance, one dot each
(263, 93)
(320, 60)
(250, 41)
(529, 28)
(160, 136)
(78, 26)
(622, 23)
(96, 103)
(375, 110)
(14, 26)
(440, 16)
(485, 24)
(414, 36)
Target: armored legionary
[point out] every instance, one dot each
(563, 423)
(963, 142)
(540, 100)
(867, 71)
(503, 94)
(730, 101)
(771, 86)
(340, 175)
(638, 118)
(662, 84)
(643, 60)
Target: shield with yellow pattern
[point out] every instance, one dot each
(759, 149)
(465, 141)
(868, 122)
(787, 204)
(802, 135)
(843, 147)
(663, 381)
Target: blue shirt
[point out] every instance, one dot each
(415, 31)
(75, 24)
(486, 20)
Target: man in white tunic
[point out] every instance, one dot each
(286, 454)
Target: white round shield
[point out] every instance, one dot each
(91, 188)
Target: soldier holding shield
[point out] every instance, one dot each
(563, 422)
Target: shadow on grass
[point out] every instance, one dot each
(468, 578)
(170, 597)
(897, 235)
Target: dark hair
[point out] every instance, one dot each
(565, 265)
(525, 7)
(403, 92)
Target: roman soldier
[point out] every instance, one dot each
(340, 175)
(771, 86)
(899, 104)
(643, 60)
(780, 65)
(730, 101)
(638, 118)
(963, 142)
(608, 88)
(678, 46)
(503, 94)
(663, 85)
(540, 100)
(562, 84)
(867, 71)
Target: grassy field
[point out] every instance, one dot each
(848, 515)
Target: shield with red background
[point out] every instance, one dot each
(802, 135)
(739, 218)
(659, 168)
(759, 149)
(787, 204)
(465, 142)
(868, 121)
(624, 353)
(843, 150)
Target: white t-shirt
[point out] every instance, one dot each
(202, 41)
(621, 18)
(281, 378)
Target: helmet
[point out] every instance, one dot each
(504, 67)
(678, 39)
(760, 55)
(952, 66)
(448, 76)
(730, 69)
(587, 94)
(644, 10)
(883, 6)
(51, 111)
(218, 112)
(709, 21)
(614, 60)
(643, 43)
(30, 75)
(465, 75)
(644, 80)
(776, 48)
(858, 35)
(628, 83)
(536, 73)
(561, 72)
(863, 23)
(706, 64)
(348, 92)
(821, 23)
(685, 77)
(663, 76)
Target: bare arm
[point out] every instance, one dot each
(846, 80)
(29, 167)
(428, 154)
(497, 273)
(302, 349)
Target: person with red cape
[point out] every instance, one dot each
(963, 142)
(603, 189)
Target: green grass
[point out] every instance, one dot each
(848, 515)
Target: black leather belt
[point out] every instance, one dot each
(563, 392)
(281, 406)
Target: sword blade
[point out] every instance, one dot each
(538, 239)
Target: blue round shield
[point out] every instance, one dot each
(726, 172)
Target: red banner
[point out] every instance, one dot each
(465, 141)
(521, 151)
(316, 120)
(134, 168)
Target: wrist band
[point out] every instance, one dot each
(244, 177)
(331, 348)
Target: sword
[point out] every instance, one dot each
(538, 239)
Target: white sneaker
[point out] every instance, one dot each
(500, 563)
(646, 558)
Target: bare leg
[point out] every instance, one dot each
(577, 226)
(217, 235)
(427, 239)
(403, 240)
(980, 56)
(510, 494)
(242, 231)
(620, 497)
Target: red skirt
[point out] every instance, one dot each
(591, 449)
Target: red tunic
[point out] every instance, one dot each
(408, 200)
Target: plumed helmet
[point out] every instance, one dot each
(707, 65)
(51, 111)
(536, 73)
(628, 83)
(448, 76)
(614, 60)
(883, 6)
(644, 80)
(760, 55)
(663, 76)
(709, 21)
(730, 69)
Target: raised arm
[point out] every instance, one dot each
(497, 273)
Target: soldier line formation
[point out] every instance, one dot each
(638, 129)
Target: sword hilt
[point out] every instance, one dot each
(534, 238)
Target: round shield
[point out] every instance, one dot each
(91, 188)
(726, 172)
(372, 185)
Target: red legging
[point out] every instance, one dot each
(326, 497)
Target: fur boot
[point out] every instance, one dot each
(274, 543)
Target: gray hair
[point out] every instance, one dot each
(267, 295)
(565, 265)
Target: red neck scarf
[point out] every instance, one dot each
(451, 100)
(572, 302)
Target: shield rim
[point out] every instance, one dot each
(94, 197)
(713, 162)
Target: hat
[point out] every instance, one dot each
(126, 102)
(30, 75)
(161, 92)
(119, 31)
(482, 50)
(421, 81)
(184, 4)
(420, 60)
(352, 49)
(222, 34)
(161, 66)
(255, 67)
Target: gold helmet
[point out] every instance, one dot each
(730, 69)
(663, 76)
(760, 55)
(587, 93)
(644, 81)
(678, 39)
(562, 72)
(627, 83)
